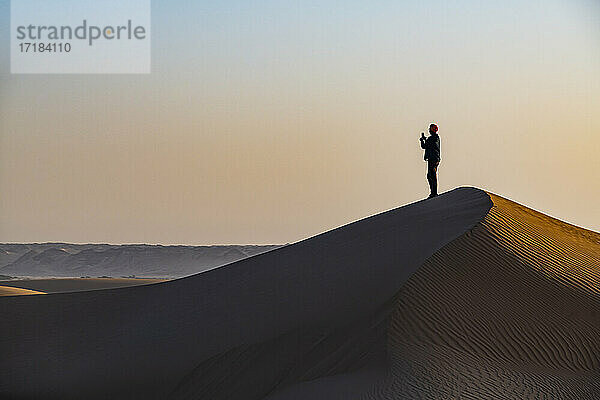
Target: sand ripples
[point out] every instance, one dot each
(510, 310)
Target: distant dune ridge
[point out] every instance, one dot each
(141, 260)
(467, 296)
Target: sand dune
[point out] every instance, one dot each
(508, 311)
(465, 296)
(16, 291)
(60, 285)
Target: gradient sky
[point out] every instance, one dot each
(271, 121)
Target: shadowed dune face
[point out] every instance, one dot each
(510, 310)
(453, 297)
(313, 309)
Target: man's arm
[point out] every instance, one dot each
(424, 145)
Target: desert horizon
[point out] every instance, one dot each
(266, 245)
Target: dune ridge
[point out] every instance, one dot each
(149, 261)
(294, 313)
(510, 310)
(465, 296)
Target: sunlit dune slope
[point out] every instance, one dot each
(59, 285)
(15, 291)
(510, 310)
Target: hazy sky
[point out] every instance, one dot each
(271, 121)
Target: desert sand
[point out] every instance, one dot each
(464, 296)
(60, 285)
(16, 291)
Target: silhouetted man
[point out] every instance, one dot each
(431, 145)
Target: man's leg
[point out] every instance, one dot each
(432, 177)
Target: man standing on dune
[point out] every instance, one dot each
(431, 145)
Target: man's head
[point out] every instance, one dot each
(433, 128)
